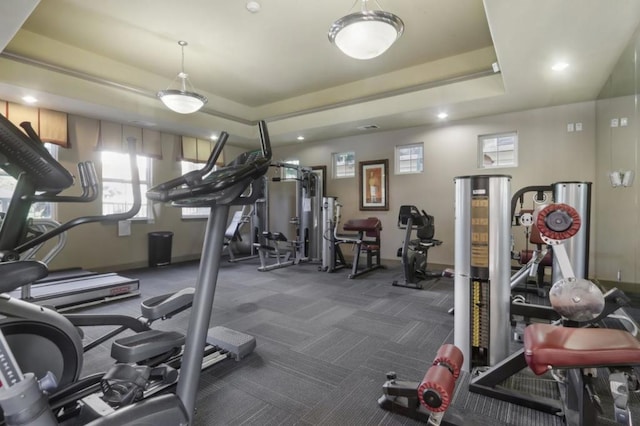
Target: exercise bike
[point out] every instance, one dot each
(414, 251)
(22, 398)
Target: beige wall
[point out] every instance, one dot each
(547, 154)
(618, 212)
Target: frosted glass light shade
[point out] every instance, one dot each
(182, 102)
(366, 34)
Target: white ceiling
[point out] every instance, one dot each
(107, 59)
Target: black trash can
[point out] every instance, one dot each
(160, 248)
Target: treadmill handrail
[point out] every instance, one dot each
(246, 166)
(194, 176)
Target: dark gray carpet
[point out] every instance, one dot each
(324, 344)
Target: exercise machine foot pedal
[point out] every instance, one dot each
(146, 345)
(167, 305)
(236, 343)
(124, 384)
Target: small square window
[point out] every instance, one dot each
(409, 158)
(344, 164)
(498, 150)
(290, 173)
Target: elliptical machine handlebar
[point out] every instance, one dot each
(114, 217)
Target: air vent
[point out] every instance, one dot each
(368, 127)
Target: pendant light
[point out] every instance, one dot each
(182, 100)
(366, 34)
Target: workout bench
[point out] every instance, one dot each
(581, 351)
(282, 259)
(370, 228)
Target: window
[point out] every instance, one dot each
(409, 158)
(498, 150)
(117, 195)
(344, 164)
(193, 212)
(290, 172)
(8, 184)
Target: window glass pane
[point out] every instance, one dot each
(117, 191)
(117, 197)
(289, 172)
(8, 184)
(409, 158)
(188, 166)
(344, 164)
(498, 150)
(115, 165)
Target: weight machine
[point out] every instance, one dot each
(367, 240)
(428, 400)
(306, 247)
(332, 256)
(573, 347)
(578, 196)
(255, 218)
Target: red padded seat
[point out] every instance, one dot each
(547, 346)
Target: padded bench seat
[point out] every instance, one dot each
(548, 346)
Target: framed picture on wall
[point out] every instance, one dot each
(321, 171)
(374, 185)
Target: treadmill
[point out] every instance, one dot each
(40, 178)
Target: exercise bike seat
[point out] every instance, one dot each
(19, 273)
(547, 346)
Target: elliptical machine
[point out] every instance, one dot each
(24, 401)
(414, 251)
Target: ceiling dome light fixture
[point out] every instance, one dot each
(560, 66)
(182, 100)
(366, 34)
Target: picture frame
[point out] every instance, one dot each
(321, 171)
(374, 185)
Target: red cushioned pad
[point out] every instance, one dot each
(369, 224)
(564, 347)
(525, 257)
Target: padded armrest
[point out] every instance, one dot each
(369, 224)
(548, 346)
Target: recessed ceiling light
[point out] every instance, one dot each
(443, 115)
(253, 6)
(29, 99)
(559, 66)
(214, 137)
(300, 138)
